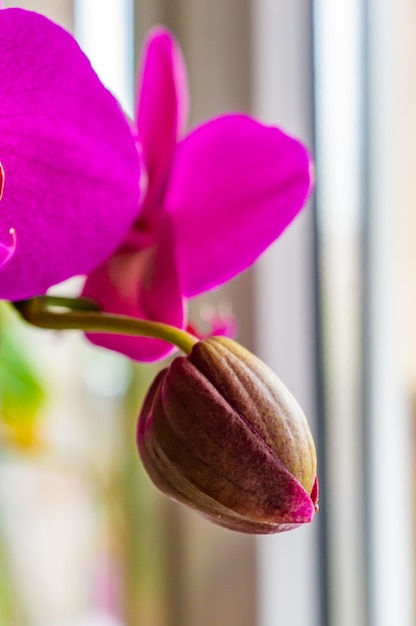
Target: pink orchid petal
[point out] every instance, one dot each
(221, 324)
(2, 177)
(8, 250)
(72, 166)
(144, 285)
(162, 107)
(235, 185)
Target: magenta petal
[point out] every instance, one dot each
(315, 495)
(162, 107)
(71, 164)
(235, 185)
(143, 285)
(8, 250)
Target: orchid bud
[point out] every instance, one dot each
(219, 432)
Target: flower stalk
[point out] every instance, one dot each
(60, 313)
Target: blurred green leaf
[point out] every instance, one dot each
(21, 391)
(11, 610)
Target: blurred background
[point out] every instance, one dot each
(85, 539)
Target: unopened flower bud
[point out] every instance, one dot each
(219, 432)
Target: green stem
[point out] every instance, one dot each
(77, 304)
(84, 314)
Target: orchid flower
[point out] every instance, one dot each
(72, 167)
(216, 199)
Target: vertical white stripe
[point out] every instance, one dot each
(392, 535)
(339, 62)
(104, 29)
(287, 563)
